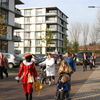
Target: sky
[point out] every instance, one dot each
(76, 10)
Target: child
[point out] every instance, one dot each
(63, 88)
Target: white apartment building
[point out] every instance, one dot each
(34, 24)
(9, 11)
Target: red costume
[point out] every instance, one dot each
(27, 74)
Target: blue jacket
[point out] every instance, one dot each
(71, 63)
(63, 85)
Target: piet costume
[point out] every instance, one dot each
(27, 75)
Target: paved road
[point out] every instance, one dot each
(11, 90)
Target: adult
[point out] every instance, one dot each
(93, 58)
(85, 61)
(64, 68)
(27, 74)
(50, 67)
(70, 61)
(3, 65)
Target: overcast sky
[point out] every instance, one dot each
(76, 10)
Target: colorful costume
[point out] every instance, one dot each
(28, 74)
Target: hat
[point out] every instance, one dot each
(28, 54)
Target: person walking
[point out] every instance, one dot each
(93, 58)
(85, 61)
(70, 61)
(27, 75)
(50, 68)
(3, 65)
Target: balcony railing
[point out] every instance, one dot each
(17, 38)
(17, 11)
(17, 25)
(51, 21)
(52, 45)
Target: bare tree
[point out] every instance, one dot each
(94, 34)
(74, 31)
(85, 32)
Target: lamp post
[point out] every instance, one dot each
(93, 6)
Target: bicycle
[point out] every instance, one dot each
(43, 76)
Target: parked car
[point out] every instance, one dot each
(13, 59)
(34, 58)
(79, 56)
(41, 57)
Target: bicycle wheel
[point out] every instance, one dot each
(47, 80)
(41, 78)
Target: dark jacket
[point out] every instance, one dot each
(65, 86)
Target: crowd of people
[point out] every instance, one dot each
(28, 74)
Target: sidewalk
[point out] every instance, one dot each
(90, 90)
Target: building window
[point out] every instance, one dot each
(27, 12)
(39, 27)
(27, 27)
(3, 46)
(51, 18)
(5, 16)
(39, 11)
(50, 49)
(39, 19)
(27, 42)
(51, 11)
(16, 44)
(17, 33)
(27, 35)
(5, 3)
(26, 49)
(38, 34)
(38, 49)
(38, 43)
(52, 26)
(27, 19)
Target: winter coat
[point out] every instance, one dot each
(27, 70)
(71, 63)
(65, 86)
(50, 66)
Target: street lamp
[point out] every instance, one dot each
(93, 6)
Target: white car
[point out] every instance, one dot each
(13, 60)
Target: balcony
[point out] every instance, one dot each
(51, 21)
(52, 29)
(17, 38)
(17, 26)
(17, 2)
(18, 13)
(51, 13)
(52, 45)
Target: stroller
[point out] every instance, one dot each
(62, 95)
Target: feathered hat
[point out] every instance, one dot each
(28, 54)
